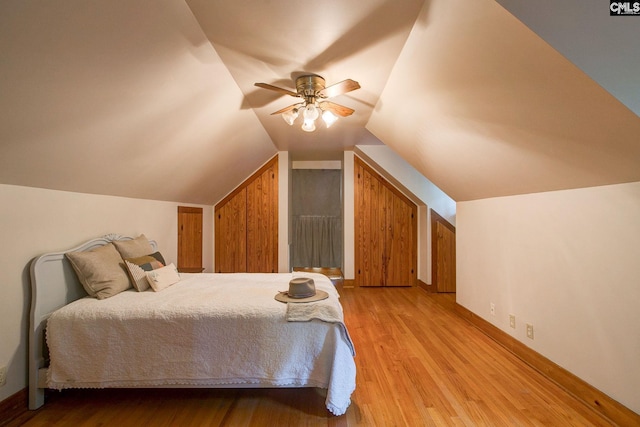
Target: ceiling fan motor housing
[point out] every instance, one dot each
(309, 86)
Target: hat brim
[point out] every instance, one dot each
(284, 297)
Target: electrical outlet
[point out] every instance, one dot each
(529, 330)
(512, 321)
(3, 375)
(493, 309)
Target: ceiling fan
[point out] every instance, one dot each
(311, 88)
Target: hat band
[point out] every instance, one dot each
(307, 295)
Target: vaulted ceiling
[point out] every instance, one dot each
(156, 99)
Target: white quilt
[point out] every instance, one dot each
(206, 330)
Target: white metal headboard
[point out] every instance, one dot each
(54, 284)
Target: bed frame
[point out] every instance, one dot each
(54, 284)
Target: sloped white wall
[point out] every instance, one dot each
(412, 180)
(604, 48)
(484, 107)
(130, 96)
(568, 263)
(34, 221)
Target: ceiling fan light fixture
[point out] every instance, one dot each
(329, 118)
(290, 116)
(308, 125)
(310, 112)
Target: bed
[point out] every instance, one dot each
(207, 330)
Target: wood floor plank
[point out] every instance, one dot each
(418, 364)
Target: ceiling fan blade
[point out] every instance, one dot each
(277, 89)
(284, 110)
(339, 88)
(339, 110)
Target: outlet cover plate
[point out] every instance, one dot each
(529, 330)
(3, 375)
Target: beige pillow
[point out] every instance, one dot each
(163, 277)
(139, 246)
(101, 271)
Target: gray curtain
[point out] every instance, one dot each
(316, 212)
(317, 241)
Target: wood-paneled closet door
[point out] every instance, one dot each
(262, 222)
(443, 252)
(385, 232)
(246, 225)
(231, 234)
(189, 239)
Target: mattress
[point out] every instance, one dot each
(206, 330)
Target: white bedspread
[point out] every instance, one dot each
(206, 330)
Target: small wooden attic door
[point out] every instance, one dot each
(443, 253)
(385, 231)
(189, 239)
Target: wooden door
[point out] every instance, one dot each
(402, 256)
(189, 239)
(231, 234)
(246, 225)
(262, 222)
(385, 227)
(370, 230)
(443, 254)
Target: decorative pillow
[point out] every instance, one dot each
(139, 246)
(100, 271)
(163, 277)
(138, 267)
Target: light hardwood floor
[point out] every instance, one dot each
(418, 364)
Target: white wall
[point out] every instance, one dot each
(284, 201)
(348, 216)
(567, 262)
(34, 221)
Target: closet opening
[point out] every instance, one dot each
(316, 221)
